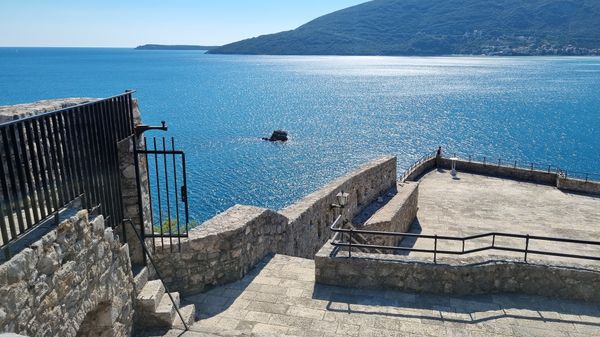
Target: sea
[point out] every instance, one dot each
(339, 111)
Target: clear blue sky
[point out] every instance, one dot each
(126, 23)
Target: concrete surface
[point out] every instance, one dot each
(475, 204)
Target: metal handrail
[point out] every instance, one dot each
(435, 251)
(530, 165)
(147, 253)
(421, 160)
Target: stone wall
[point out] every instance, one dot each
(395, 216)
(223, 249)
(226, 247)
(77, 278)
(500, 171)
(311, 216)
(418, 171)
(468, 276)
(18, 111)
(578, 186)
(129, 190)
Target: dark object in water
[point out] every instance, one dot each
(278, 136)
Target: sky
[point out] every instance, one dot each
(128, 23)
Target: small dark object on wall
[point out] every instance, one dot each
(278, 136)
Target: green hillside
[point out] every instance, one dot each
(441, 27)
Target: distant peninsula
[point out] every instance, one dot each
(173, 47)
(440, 27)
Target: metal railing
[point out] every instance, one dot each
(156, 270)
(530, 165)
(340, 234)
(421, 160)
(50, 159)
(168, 201)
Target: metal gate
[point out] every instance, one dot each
(167, 187)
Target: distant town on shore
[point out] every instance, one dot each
(439, 27)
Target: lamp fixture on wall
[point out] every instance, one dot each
(342, 200)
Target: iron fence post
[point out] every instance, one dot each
(350, 243)
(435, 249)
(526, 247)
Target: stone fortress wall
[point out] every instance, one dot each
(519, 173)
(226, 247)
(470, 275)
(76, 280)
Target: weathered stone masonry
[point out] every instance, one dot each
(76, 279)
(467, 276)
(226, 247)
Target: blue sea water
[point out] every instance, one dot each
(339, 111)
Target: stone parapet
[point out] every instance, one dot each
(311, 216)
(395, 216)
(75, 281)
(222, 250)
(226, 247)
(467, 276)
(578, 185)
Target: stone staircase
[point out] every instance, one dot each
(154, 307)
(360, 239)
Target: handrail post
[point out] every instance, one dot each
(484, 159)
(435, 250)
(515, 166)
(350, 243)
(549, 168)
(499, 161)
(531, 166)
(463, 245)
(526, 247)
(493, 240)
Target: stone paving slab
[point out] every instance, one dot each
(475, 204)
(280, 298)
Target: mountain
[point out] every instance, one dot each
(440, 27)
(173, 47)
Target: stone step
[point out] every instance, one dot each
(150, 296)
(189, 315)
(361, 239)
(140, 279)
(165, 312)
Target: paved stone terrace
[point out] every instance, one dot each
(475, 204)
(280, 298)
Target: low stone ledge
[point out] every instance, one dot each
(578, 186)
(467, 276)
(502, 171)
(395, 216)
(18, 111)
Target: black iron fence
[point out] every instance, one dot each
(167, 182)
(344, 238)
(51, 159)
